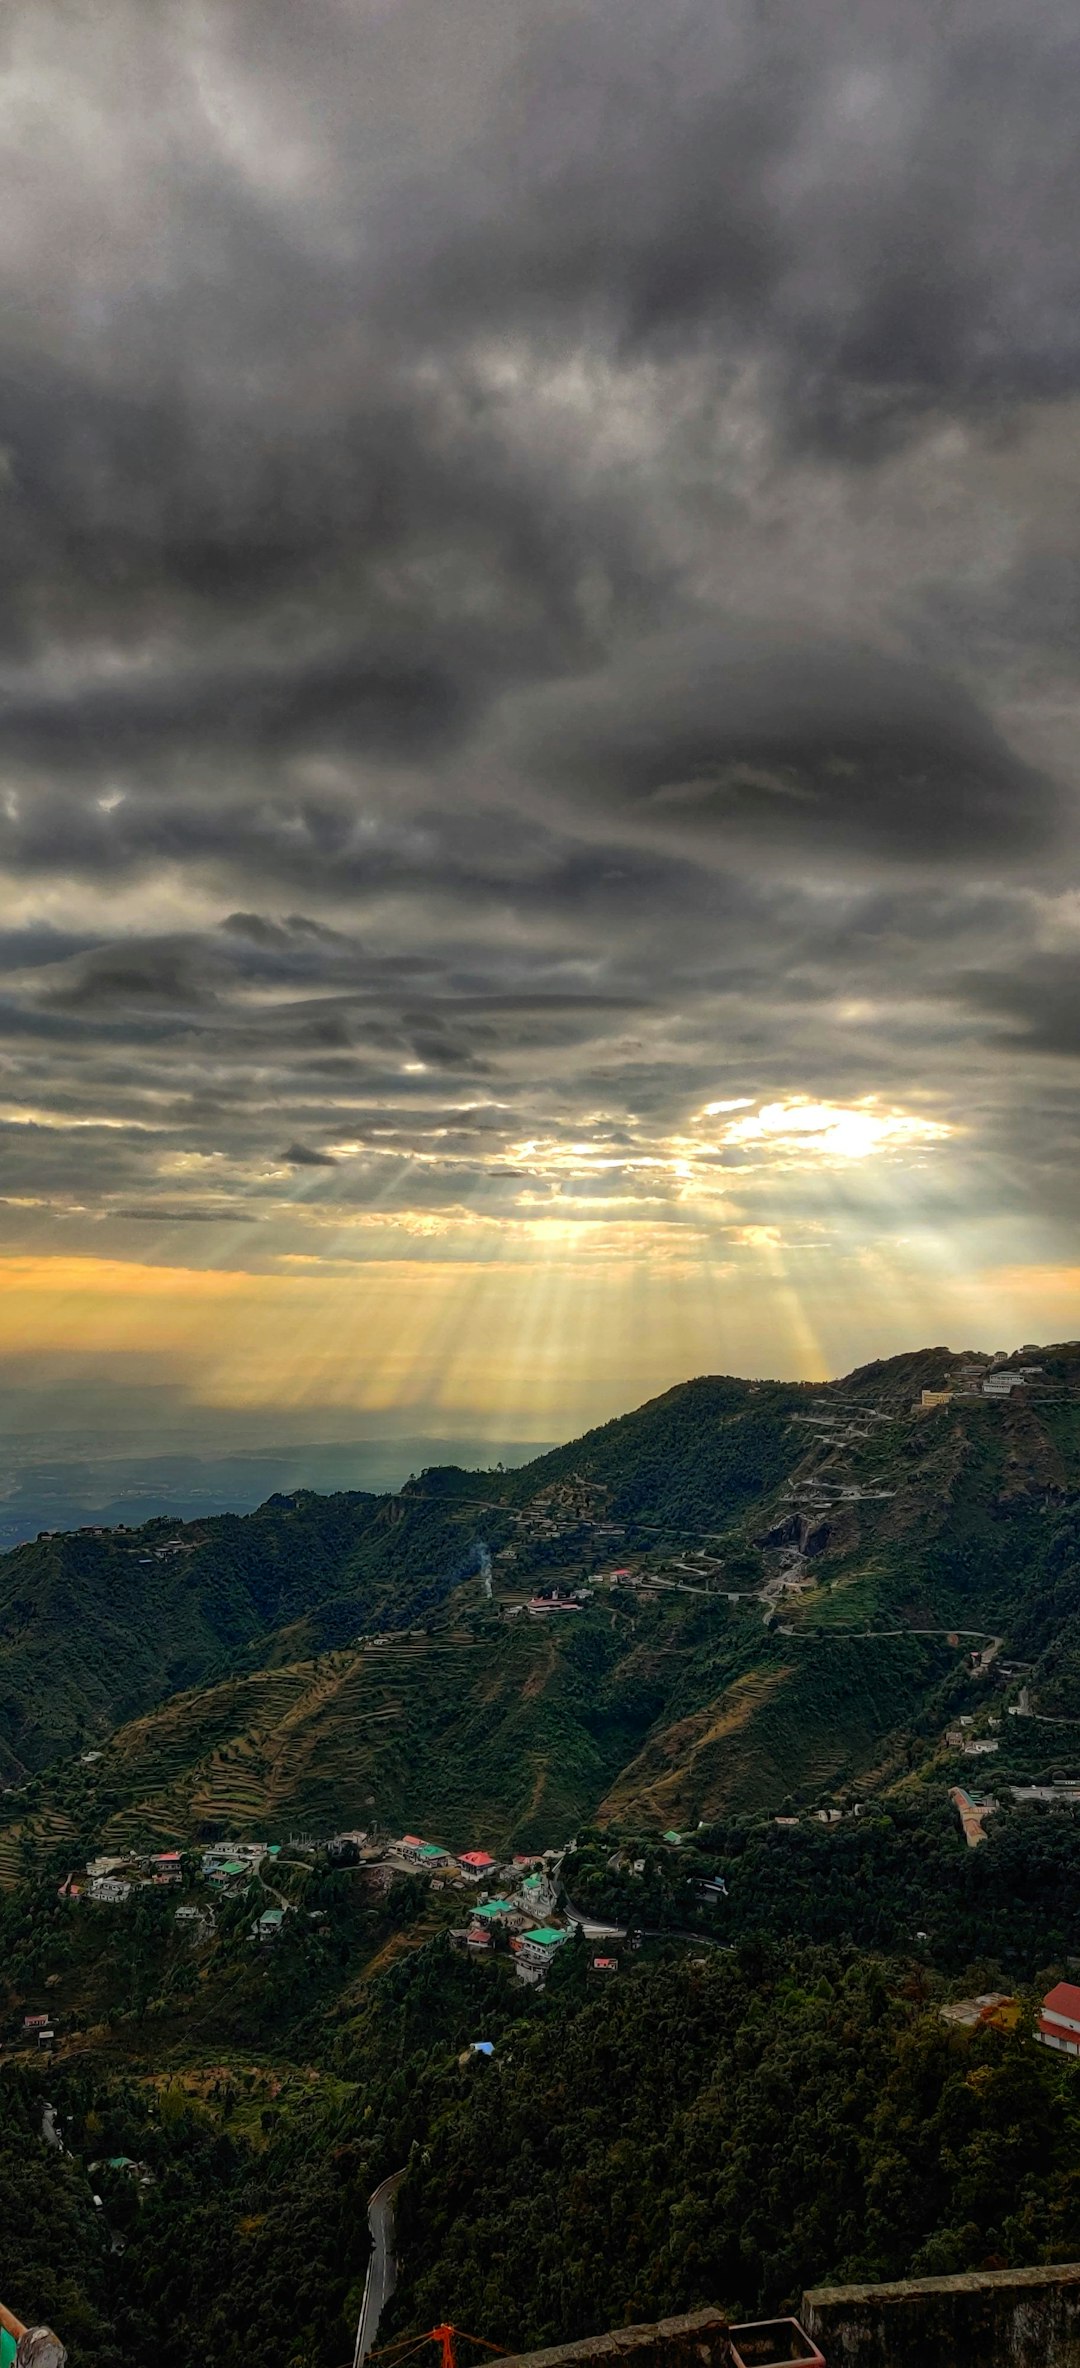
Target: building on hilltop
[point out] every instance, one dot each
(974, 1809)
(268, 1926)
(198, 1920)
(538, 1946)
(475, 1864)
(426, 1856)
(1058, 2024)
(492, 1911)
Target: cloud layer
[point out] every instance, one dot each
(540, 598)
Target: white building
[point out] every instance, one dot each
(110, 1890)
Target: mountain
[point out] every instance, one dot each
(816, 1581)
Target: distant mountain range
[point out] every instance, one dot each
(815, 1581)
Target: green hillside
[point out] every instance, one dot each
(96, 1626)
(784, 1592)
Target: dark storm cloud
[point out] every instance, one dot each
(540, 547)
(877, 199)
(821, 748)
(1039, 1006)
(381, 704)
(127, 976)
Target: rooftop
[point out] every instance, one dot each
(1063, 1999)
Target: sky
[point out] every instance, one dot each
(539, 679)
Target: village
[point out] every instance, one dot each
(515, 1906)
(509, 1905)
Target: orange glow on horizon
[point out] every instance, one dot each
(551, 1345)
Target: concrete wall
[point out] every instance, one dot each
(1002, 2318)
(697, 2341)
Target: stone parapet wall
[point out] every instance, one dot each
(698, 2340)
(1000, 2318)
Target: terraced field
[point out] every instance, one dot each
(23, 1844)
(468, 1738)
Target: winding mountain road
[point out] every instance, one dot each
(382, 2268)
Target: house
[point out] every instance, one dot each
(535, 1892)
(475, 1864)
(425, 1856)
(605, 1965)
(478, 1936)
(979, 1746)
(712, 1887)
(104, 1866)
(219, 1855)
(196, 1920)
(974, 1810)
(109, 1890)
(35, 2022)
(999, 1385)
(932, 1398)
(268, 1925)
(1058, 2024)
(166, 1867)
(538, 1946)
(230, 1870)
(492, 1911)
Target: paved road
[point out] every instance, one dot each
(382, 2267)
(595, 1931)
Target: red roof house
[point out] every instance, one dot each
(476, 1863)
(1059, 2021)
